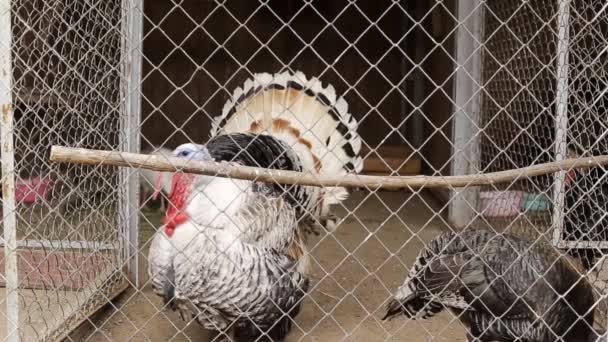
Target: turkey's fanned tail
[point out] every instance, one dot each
(303, 113)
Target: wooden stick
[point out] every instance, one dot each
(232, 170)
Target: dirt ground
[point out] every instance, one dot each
(355, 270)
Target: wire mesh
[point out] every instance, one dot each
(585, 216)
(519, 71)
(66, 91)
(397, 65)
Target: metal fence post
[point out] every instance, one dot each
(467, 95)
(9, 220)
(561, 117)
(132, 49)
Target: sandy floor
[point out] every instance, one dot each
(355, 271)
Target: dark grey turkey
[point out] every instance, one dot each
(502, 287)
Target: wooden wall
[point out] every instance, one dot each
(439, 106)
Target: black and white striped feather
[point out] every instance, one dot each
(306, 116)
(265, 151)
(229, 277)
(501, 286)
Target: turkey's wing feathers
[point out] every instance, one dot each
(466, 280)
(481, 283)
(452, 272)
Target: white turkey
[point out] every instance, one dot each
(232, 253)
(502, 287)
(154, 182)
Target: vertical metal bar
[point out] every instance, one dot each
(467, 103)
(132, 50)
(9, 219)
(561, 117)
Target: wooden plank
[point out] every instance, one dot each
(387, 159)
(65, 244)
(71, 270)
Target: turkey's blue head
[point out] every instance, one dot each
(181, 186)
(192, 151)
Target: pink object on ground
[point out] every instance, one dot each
(501, 203)
(32, 190)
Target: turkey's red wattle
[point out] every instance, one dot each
(180, 191)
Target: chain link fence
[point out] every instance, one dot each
(66, 89)
(452, 87)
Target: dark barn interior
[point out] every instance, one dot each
(196, 54)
